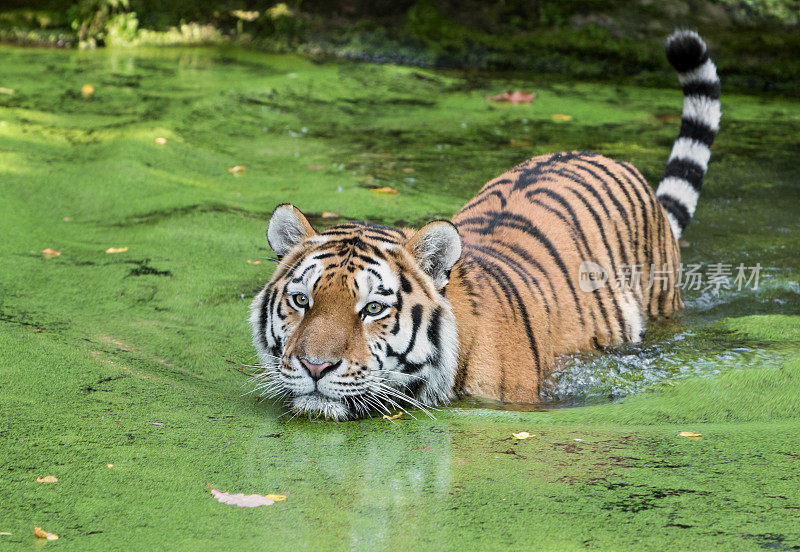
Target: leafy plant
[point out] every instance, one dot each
(90, 19)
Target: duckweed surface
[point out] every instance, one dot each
(121, 373)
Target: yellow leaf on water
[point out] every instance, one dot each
(522, 435)
(395, 417)
(116, 250)
(276, 497)
(40, 533)
(47, 479)
(560, 117)
(161, 141)
(50, 253)
(385, 190)
(690, 434)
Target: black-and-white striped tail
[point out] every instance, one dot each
(680, 186)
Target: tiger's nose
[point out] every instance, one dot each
(318, 370)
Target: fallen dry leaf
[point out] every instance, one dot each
(4, 90)
(276, 497)
(87, 90)
(513, 96)
(40, 533)
(385, 190)
(66, 219)
(665, 117)
(236, 169)
(517, 142)
(109, 466)
(161, 141)
(560, 117)
(316, 167)
(522, 435)
(691, 434)
(252, 262)
(47, 479)
(407, 170)
(242, 500)
(116, 250)
(50, 253)
(330, 215)
(5, 534)
(395, 417)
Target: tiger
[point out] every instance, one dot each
(364, 318)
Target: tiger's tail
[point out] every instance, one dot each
(680, 186)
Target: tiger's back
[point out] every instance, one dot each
(532, 240)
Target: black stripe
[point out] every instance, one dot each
(687, 170)
(433, 332)
(623, 213)
(686, 51)
(697, 130)
(497, 273)
(522, 224)
(519, 269)
(610, 253)
(577, 228)
(302, 274)
(676, 209)
(262, 317)
(493, 278)
(480, 198)
(494, 184)
(711, 89)
(630, 219)
(398, 309)
(405, 285)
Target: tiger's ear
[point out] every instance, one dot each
(436, 248)
(287, 227)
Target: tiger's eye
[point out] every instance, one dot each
(373, 308)
(301, 300)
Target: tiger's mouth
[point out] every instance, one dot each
(319, 405)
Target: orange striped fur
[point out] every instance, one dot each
(515, 291)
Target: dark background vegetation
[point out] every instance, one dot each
(755, 41)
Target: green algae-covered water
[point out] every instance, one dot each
(134, 359)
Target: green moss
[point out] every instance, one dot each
(775, 328)
(96, 348)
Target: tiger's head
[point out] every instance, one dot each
(354, 319)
